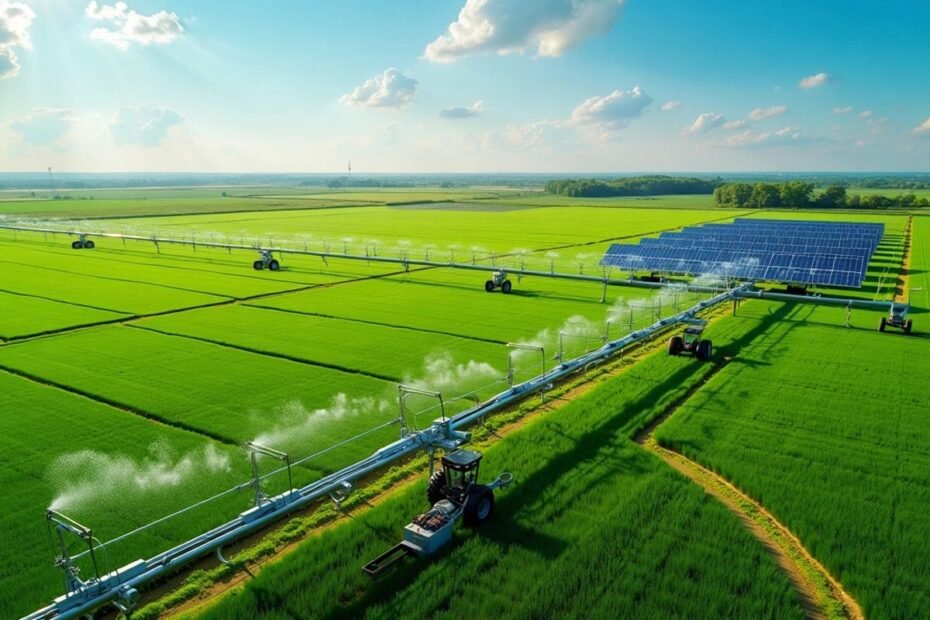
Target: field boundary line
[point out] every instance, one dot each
(281, 356)
(131, 316)
(377, 323)
(122, 407)
(821, 594)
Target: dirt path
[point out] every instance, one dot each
(821, 595)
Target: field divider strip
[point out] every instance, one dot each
(378, 323)
(274, 354)
(62, 301)
(822, 595)
(152, 417)
(123, 280)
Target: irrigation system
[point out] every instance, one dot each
(120, 587)
(498, 277)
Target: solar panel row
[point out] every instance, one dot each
(795, 252)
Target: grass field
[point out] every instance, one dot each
(165, 361)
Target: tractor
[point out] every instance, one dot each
(498, 280)
(83, 243)
(266, 260)
(453, 492)
(690, 341)
(897, 317)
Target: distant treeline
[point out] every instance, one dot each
(653, 185)
(801, 195)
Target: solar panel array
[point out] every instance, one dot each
(790, 251)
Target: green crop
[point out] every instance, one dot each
(826, 426)
(120, 490)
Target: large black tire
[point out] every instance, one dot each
(882, 323)
(489, 286)
(436, 489)
(88, 245)
(675, 344)
(507, 286)
(908, 325)
(75, 245)
(704, 350)
(274, 265)
(258, 265)
(479, 506)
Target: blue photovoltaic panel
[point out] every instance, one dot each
(790, 251)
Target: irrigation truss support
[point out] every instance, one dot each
(404, 261)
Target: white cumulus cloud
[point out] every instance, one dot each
(391, 89)
(705, 122)
(843, 110)
(865, 114)
(143, 125)
(44, 126)
(783, 137)
(734, 124)
(668, 106)
(467, 111)
(15, 20)
(813, 81)
(546, 27)
(761, 113)
(126, 26)
(613, 110)
(923, 128)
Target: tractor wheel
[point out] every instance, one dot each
(489, 286)
(274, 265)
(88, 245)
(479, 506)
(882, 324)
(436, 489)
(75, 245)
(258, 265)
(675, 344)
(704, 349)
(908, 325)
(507, 286)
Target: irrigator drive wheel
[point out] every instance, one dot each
(273, 265)
(479, 506)
(77, 245)
(258, 265)
(908, 325)
(436, 489)
(882, 324)
(506, 286)
(675, 345)
(88, 245)
(704, 350)
(489, 286)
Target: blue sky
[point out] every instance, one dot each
(464, 85)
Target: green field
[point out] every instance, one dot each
(593, 527)
(138, 372)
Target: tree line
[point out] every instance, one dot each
(652, 185)
(802, 195)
